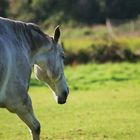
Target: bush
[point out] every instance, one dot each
(109, 52)
(113, 53)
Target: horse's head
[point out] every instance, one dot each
(49, 67)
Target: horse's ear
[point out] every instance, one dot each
(56, 34)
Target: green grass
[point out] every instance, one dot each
(76, 44)
(109, 75)
(104, 104)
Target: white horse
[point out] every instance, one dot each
(23, 45)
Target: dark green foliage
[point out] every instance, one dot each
(122, 9)
(80, 11)
(114, 53)
(102, 54)
(3, 8)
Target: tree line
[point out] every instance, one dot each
(80, 11)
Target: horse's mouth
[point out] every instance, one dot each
(61, 100)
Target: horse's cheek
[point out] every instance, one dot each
(39, 74)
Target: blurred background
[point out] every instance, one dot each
(93, 30)
(101, 39)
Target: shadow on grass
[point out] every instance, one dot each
(86, 85)
(115, 79)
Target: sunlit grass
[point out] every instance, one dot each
(77, 44)
(100, 75)
(98, 114)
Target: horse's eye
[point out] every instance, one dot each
(63, 57)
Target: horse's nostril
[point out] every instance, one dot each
(67, 90)
(61, 100)
(65, 94)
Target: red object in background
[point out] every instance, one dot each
(74, 64)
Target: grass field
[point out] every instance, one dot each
(104, 104)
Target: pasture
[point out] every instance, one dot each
(104, 104)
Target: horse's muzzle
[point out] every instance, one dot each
(62, 99)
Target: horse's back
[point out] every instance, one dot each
(3, 62)
(14, 66)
